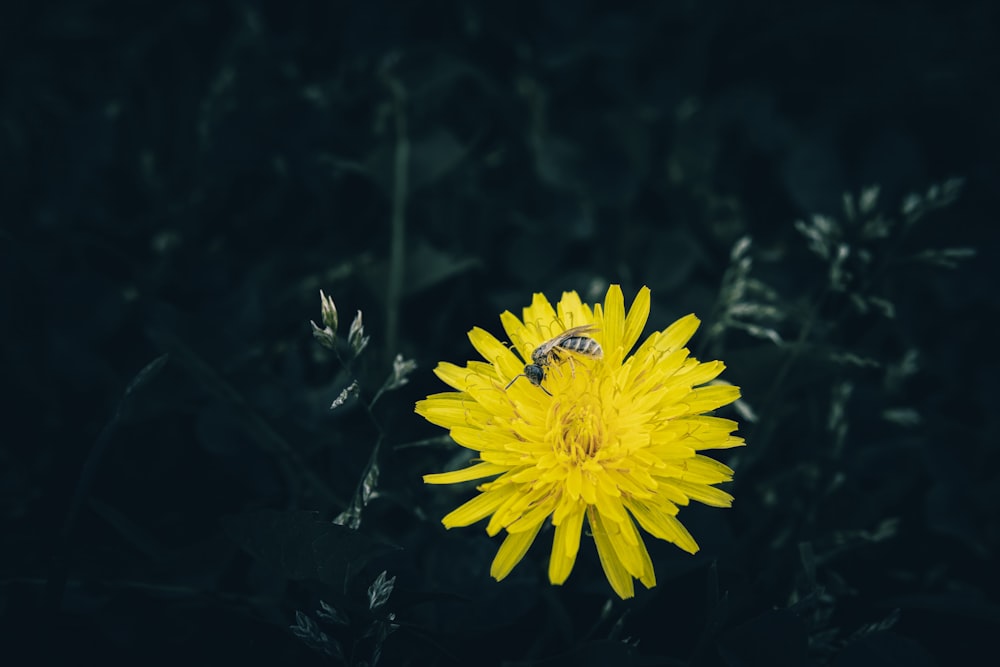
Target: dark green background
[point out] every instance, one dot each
(182, 178)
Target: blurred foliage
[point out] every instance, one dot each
(179, 180)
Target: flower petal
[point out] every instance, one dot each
(704, 470)
(636, 319)
(525, 340)
(632, 551)
(477, 471)
(614, 570)
(613, 327)
(510, 553)
(565, 546)
(678, 334)
(708, 398)
(478, 508)
(456, 377)
(495, 352)
(482, 438)
(701, 373)
(542, 317)
(703, 493)
(658, 520)
(451, 409)
(534, 515)
(572, 312)
(610, 507)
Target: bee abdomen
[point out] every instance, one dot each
(584, 345)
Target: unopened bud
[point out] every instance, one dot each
(356, 337)
(325, 337)
(329, 310)
(400, 369)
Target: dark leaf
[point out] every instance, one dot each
(883, 648)
(331, 614)
(426, 266)
(301, 546)
(588, 654)
(775, 639)
(380, 590)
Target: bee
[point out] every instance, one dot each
(572, 340)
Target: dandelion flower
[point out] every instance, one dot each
(612, 438)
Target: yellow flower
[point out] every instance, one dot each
(610, 437)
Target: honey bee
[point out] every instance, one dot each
(572, 340)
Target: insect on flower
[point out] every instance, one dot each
(620, 447)
(572, 340)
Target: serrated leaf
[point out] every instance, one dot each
(380, 590)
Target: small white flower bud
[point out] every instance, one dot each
(329, 310)
(356, 337)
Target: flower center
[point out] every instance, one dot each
(579, 429)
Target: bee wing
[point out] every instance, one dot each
(544, 351)
(577, 331)
(552, 343)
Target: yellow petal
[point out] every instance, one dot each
(574, 481)
(704, 432)
(702, 373)
(510, 553)
(524, 339)
(565, 507)
(614, 570)
(452, 375)
(452, 409)
(624, 542)
(503, 514)
(533, 516)
(541, 316)
(632, 552)
(636, 320)
(613, 327)
(572, 312)
(588, 488)
(705, 470)
(495, 352)
(708, 398)
(565, 546)
(610, 508)
(477, 471)
(482, 438)
(706, 427)
(502, 458)
(707, 495)
(478, 508)
(658, 520)
(679, 333)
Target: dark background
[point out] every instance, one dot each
(182, 178)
